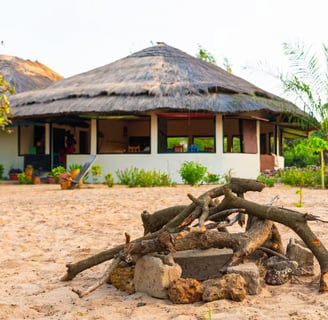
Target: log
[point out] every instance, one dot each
(292, 219)
(242, 244)
(237, 185)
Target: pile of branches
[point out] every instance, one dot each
(199, 225)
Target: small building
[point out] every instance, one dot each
(155, 109)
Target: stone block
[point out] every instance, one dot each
(153, 276)
(251, 274)
(202, 264)
(297, 250)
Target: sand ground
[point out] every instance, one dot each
(43, 228)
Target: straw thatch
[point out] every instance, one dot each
(26, 75)
(157, 78)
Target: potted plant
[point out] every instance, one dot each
(65, 180)
(96, 172)
(13, 173)
(24, 179)
(29, 171)
(36, 178)
(74, 169)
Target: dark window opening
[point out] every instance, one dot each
(180, 133)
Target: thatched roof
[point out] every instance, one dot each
(26, 75)
(157, 78)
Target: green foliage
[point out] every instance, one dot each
(212, 178)
(5, 111)
(134, 177)
(309, 176)
(2, 169)
(299, 202)
(307, 81)
(109, 179)
(23, 179)
(203, 54)
(74, 166)
(55, 172)
(96, 171)
(192, 173)
(267, 179)
(298, 154)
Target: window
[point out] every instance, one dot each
(117, 133)
(205, 144)
(187, 129)
(239, 135)
(175, 144)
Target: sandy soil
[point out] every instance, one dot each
(43, 228)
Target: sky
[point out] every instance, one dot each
(74, 36)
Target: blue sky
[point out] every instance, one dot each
(73, 36)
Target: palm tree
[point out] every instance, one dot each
(307, 81)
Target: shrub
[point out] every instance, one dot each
(134, 177)
(192, 173)
(212, 178)
(23, 179)
(109, 179)
(267, 178)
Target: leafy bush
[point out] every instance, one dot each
(212, 178)
(23, 179)
(267, 178)
(309, 176)
(192, 173)
(109, 179)
(299, 176)
(134, 177)
(2, 169)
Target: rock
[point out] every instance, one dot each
(183, 291)
(153, 275)
(202, 264)
(231, 286)
(251, 274)
(296, 250)
(279, 271)
(122, 279)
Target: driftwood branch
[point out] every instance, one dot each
(176, 215)
(169, 229)
(292, 219)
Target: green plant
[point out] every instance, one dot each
(267, 179)
(55, 172)
(109, 179)
(299, 202)
(212, 178)
(134, 177)
(96, 172)
(74, 166)
(192, 173)
(2, 169)
(23, 179)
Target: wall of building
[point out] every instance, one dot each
(9, 151)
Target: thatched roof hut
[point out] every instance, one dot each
(157, 78)
(26, 75)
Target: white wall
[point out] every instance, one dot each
(9, 151)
